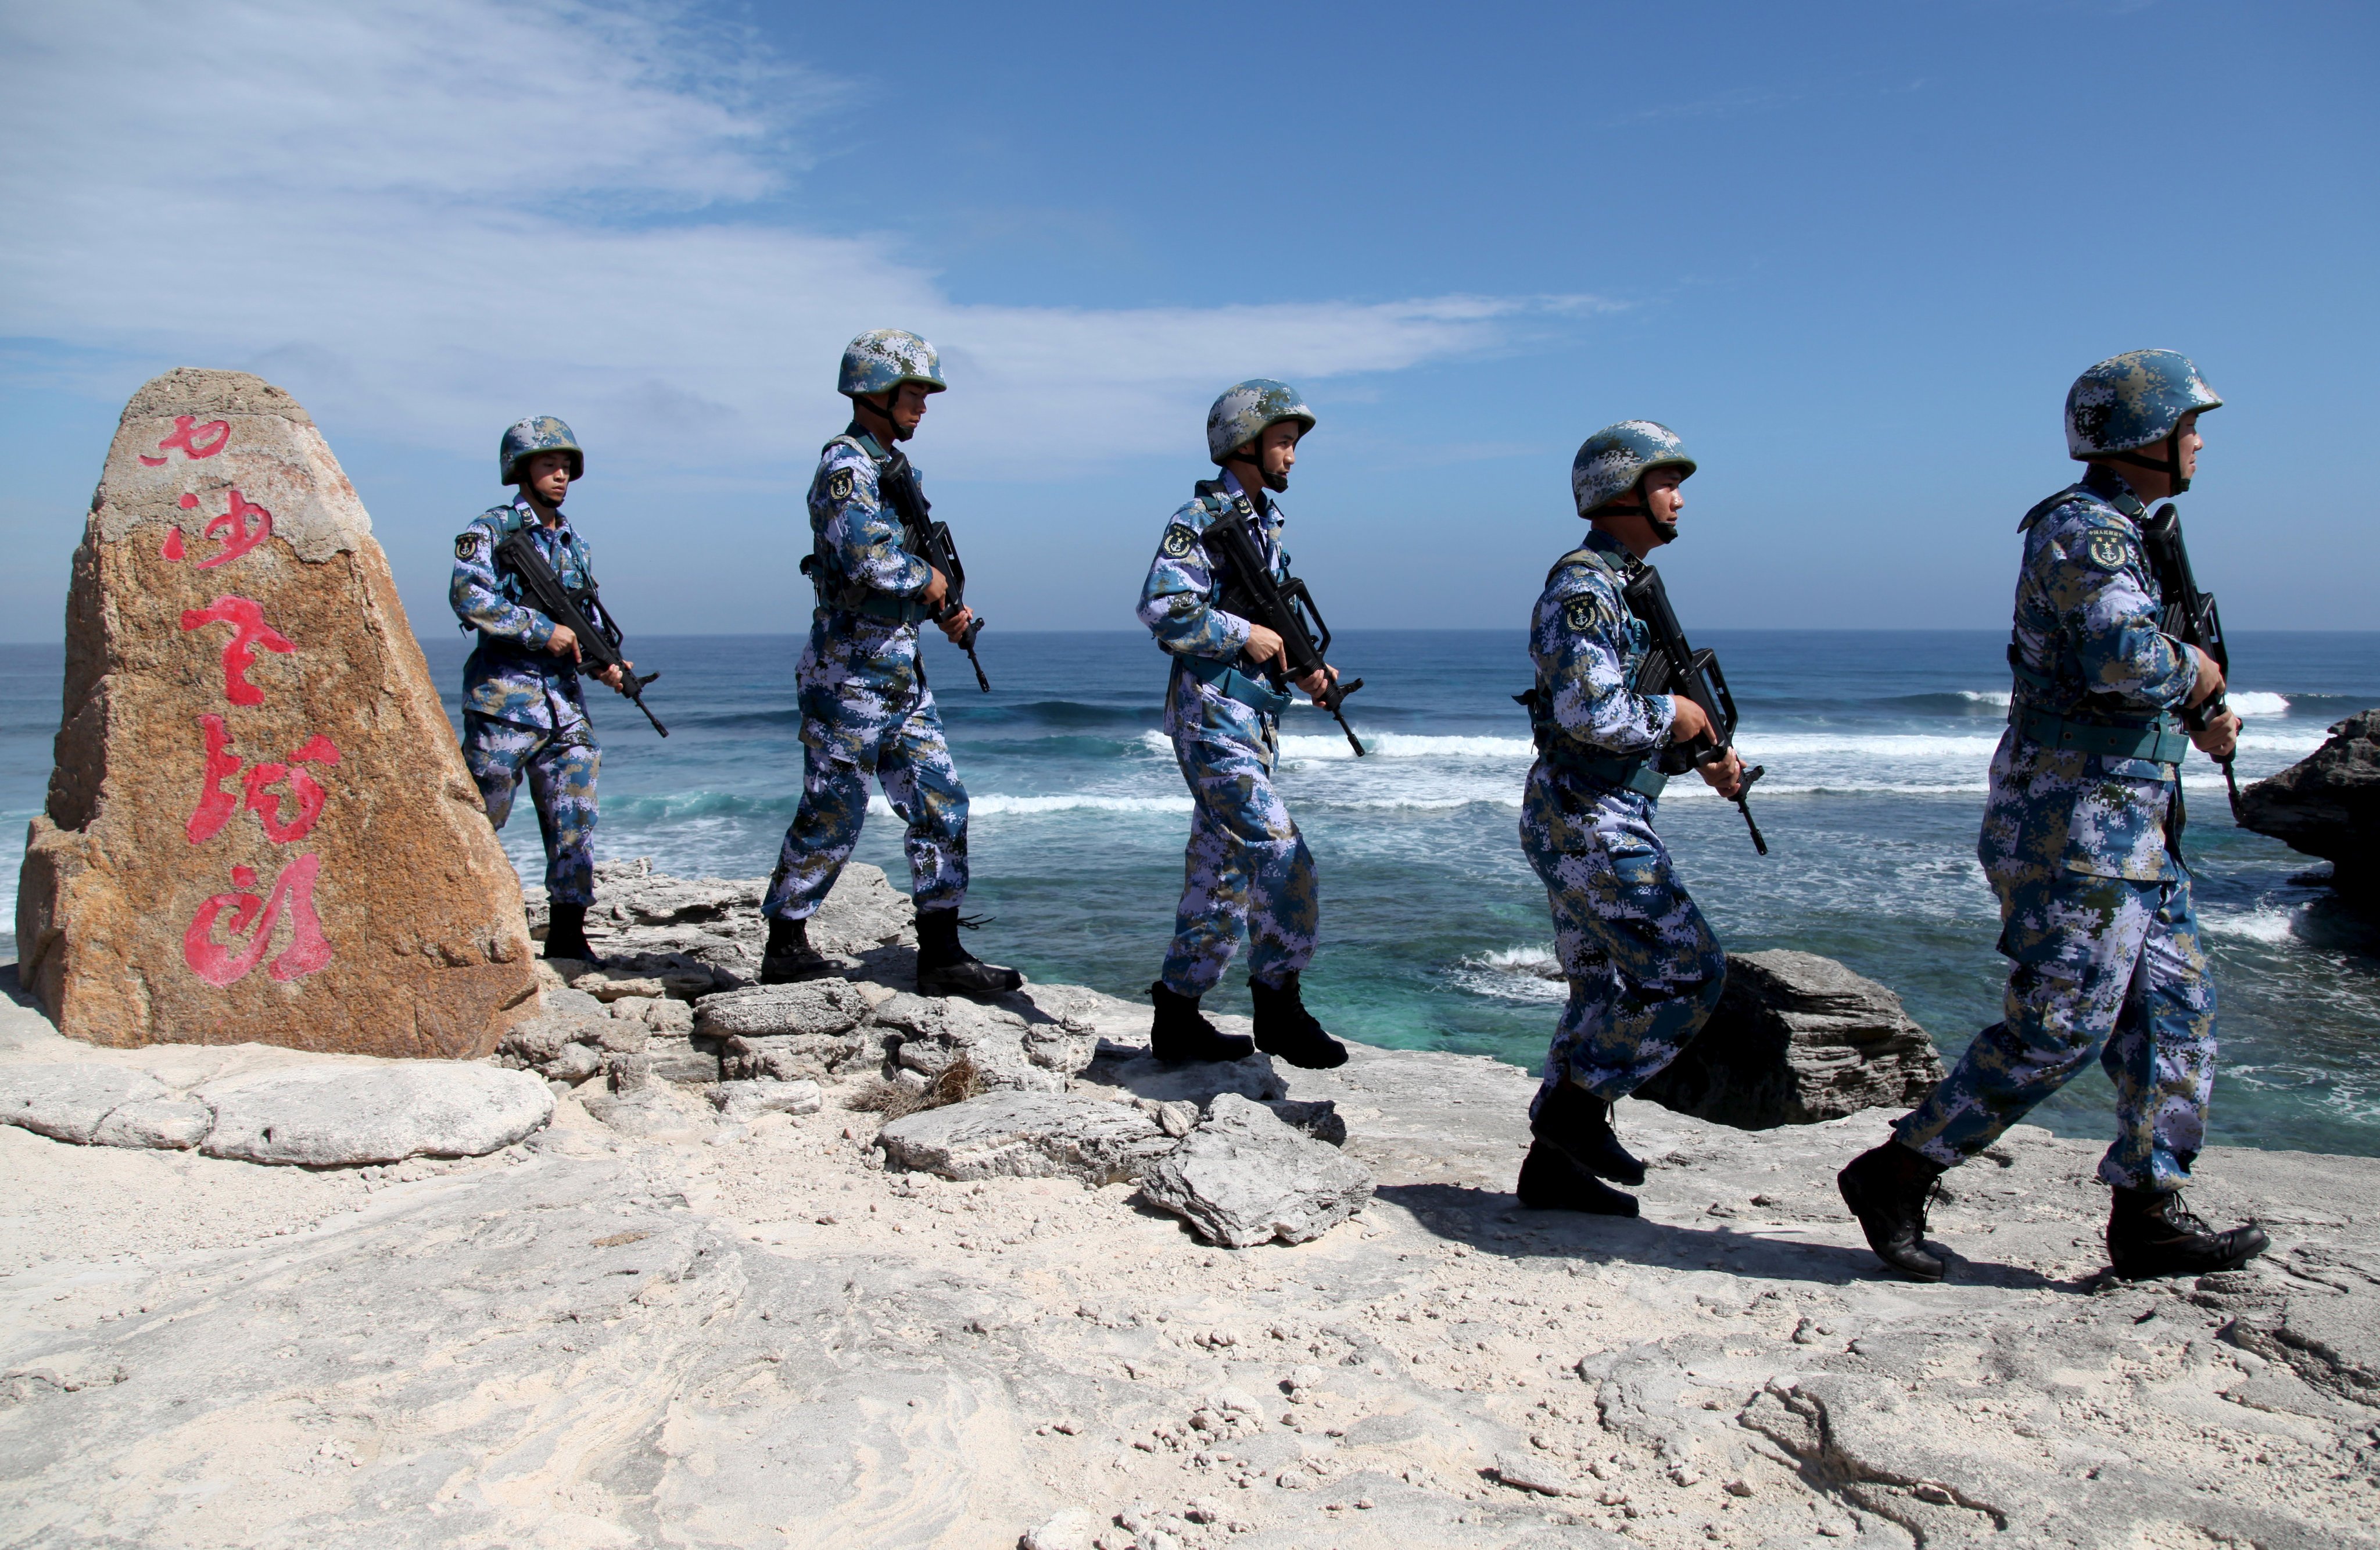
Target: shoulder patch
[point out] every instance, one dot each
(838, 484)
(1179, 540)
(469, 542)
(2108, 551)
(1582, 614)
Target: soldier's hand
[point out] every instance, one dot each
(1318, 683)
(564, 642)
(956, 625)
(1688, 723)
(1264, 644)
(1725, 776)
(2210, 678)
(2221, 737)
(615, 678)
(938, 587)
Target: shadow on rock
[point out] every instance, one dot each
(1492, 1222)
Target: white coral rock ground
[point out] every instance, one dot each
(730, 1333)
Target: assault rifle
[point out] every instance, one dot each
(1674, 668)
(1282, 606)
(579, 610)
(930, 541)
(2190, 618)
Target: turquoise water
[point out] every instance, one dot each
(1434, 933)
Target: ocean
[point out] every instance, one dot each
(1434, 933)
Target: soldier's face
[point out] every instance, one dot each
(2186, 443)
(1277, 454)
(1665, 494)
(908, 408)
(549, 476)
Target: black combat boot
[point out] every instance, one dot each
(1552, 1180)
(789, 956)
(566, 934)
(1286, 1028)
(1580, 1123)
(1887, 1188)
(2152, 1233)
(946, 968)
(1180, 1034)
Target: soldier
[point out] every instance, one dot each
(866, 707)
(522, 710)
(2081, 841)
(1644, 970)
(1247, 869)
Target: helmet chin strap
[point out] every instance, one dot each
(2170, 465)
(884, 412)
(1276, 482)
(1638, 506)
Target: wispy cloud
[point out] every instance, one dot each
(439, 215)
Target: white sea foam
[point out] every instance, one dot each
(2000, 697)
(1068, 802)
(2264, 924)
(1527, 974)
(2256, 701)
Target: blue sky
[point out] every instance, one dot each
(1854, 253)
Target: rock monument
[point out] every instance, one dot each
(259, 827)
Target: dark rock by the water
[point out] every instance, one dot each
(1797, 1039)
(2327, 804)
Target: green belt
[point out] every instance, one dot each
(1641, 776)
(878, 606)
(2158, 741)
(1233, 684)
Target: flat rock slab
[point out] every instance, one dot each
(1246, 1176)
(1131, 1067)
(351, 1115)
(69, 1101)
(1029, 1135)
(749, 1100)
(812, 1008)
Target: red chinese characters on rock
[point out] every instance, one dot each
(194, 441)
(249, 632)
(246, 919)
(233, 528)
(217, 803)
(253, 918)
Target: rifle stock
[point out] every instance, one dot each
(582, 613)
(1283, 605)
(1673, 666)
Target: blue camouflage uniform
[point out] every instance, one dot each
(1644, 970)
(866, 707)
(1247, 871)
(2080, 841)
(523, 712)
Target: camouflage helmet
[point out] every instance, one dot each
(2132, 401)
(1247, 410)
(882, 359)
(538, 432)
(1610, 461)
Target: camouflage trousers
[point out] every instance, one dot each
(1644, 970)
(2105, 966)
(912, 759)
(1246, 872)
(561, 766)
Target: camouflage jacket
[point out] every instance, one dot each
(2087, 628)
(855, 540)
(1587, 646)
(1182, 599)
(510, 675)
